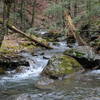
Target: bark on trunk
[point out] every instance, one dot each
(6, 13)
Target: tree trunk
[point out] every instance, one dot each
(75, 8)
(6, 13)
(21, 13)
(33, 13)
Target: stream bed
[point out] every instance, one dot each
(22, 86)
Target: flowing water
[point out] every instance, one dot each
(22, 86)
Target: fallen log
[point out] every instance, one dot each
(46, 45)
(36, 40)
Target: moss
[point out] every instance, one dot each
(7, 53)
(13, 45)
(60, 66)
(50, 39)
(2, 71)
(10, 23)
(39, 39)
(4, 51)
(68, 63)
(74, 52)
(97, 42)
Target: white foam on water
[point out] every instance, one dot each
(43, 32)
(60, 45)
(36, 66)
(95, 72)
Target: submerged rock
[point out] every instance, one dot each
(45, 83)
(21, 69)
(61, 65)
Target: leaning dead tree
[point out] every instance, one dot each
(74, 33)
(73, 30)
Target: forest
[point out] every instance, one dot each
(49, 49)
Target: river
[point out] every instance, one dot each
(22, 86)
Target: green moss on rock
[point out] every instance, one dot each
(74, 52)
(2, 71)
(60, 66)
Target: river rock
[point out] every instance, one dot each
(96, 44)
(71, 41)
(11, 62)
(54, 36)
(83, 51)
(50, 35)
(61, 65)
(76, 52)
(85, 56)
(2, 71)
(45, 83)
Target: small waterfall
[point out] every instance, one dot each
(37, 63)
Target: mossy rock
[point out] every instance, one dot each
(74, 52)
(60, 66)
(53, 36)
(95, 42)
(12, 44)
(2, 71)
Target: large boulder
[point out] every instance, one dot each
(60, 66)
(85, 56)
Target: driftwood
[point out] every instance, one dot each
(36, 40)
(73, 31)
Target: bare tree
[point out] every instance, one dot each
(33, 12)
(6, 13)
